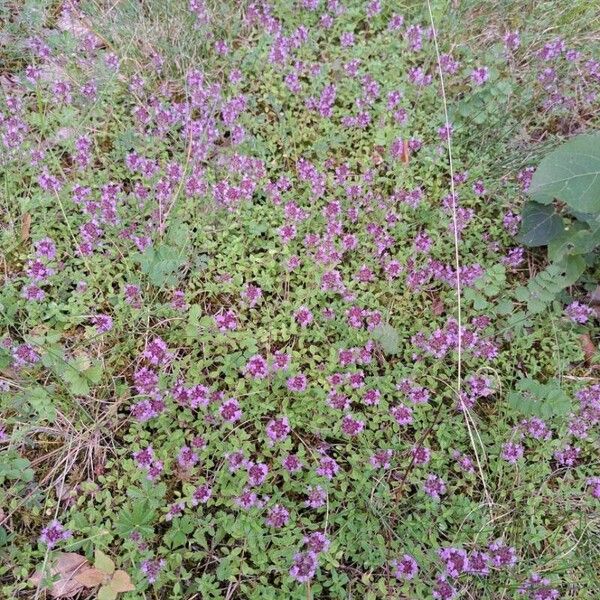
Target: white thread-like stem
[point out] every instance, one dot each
(464, 408)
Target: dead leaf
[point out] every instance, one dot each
(437, 306)
(25, 227)
(588, 347)
(405, 152)
(67, 567)
(121, 582)
(91, 577)
(378, 154)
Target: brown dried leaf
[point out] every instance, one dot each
(67, 567)
(91, 577)
(437, 306)
(405, 152)
(25, 227)
(588, 347)
(595, 295)
(378, 154)
(121, 582)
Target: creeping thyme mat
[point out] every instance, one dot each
(266, 328)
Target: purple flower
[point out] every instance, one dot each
(247, 499)
(455, 560)
(478, 563)
(201, 495)
(594, 484)
(278, 516)
(316, 497)
(443, 590)
(567, 456)
(186, 458)
(45, 248)
(304, 567)
(303, 316)
(317, 542)
(53, 533)
(33, 293)
(25, 355)
(536, 428)
(512, 452)
(538, 588)
(291, 463)
(327, 468)
(352, 426)
(257, 473)
(402, 414)
(406, 568)
(347, 39)
(297, 383)
(420, 455)
(226, 321)
(502, 555)
(578, 313)
(381, 459)
(512, 40)
(278, 429)
(256, 367)
(480, 75)
(230, 410)
(102, 323)
(151, 568)
(157, 353)
(434, 486)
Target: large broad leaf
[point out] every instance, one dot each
(570, 173)
(540, 224)
(577, 239)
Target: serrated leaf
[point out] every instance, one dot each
(136, 517)
(570, 173)
(540, 224)
(103, 562)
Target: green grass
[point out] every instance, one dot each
(70, 434)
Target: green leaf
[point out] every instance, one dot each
(540, 224)
(161, 264)
(136, 517)
(544, 400)
(592, 219)
(103, 562)
(546, 285)
(388, 337)
(575, 240)
(41, 403)
(570, 173)
(106, 593)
